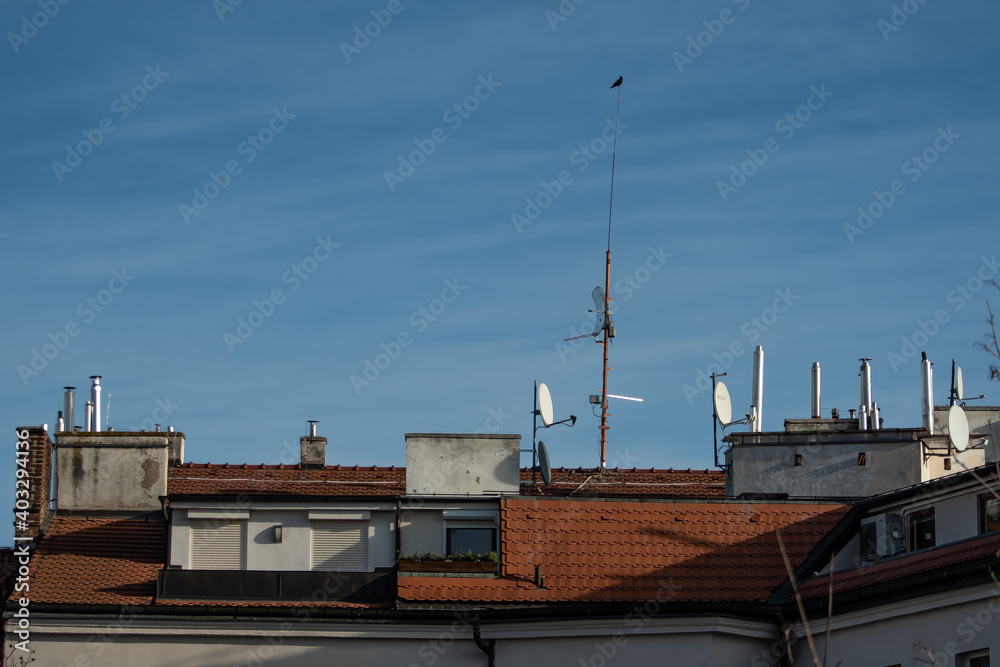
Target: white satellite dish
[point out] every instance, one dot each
(723, 406)
(958, 428)
(543, 463)
(544, 404)
(959, 385)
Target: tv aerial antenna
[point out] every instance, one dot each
(604, 330)
(957, 395)
(543, 409)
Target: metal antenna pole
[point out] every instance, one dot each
(607, 293)
(715, 420)
(534, 432)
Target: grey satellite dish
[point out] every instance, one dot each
(958, 428)
(723, 406)
(545, 404)
(959, 385)
(543, 463)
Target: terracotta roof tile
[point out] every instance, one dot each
(967, 551)
(98, 561)
(634, 551)
(224, 479)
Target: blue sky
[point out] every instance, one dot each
(213, 155)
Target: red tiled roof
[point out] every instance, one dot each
(98, 561)
(593, 550)
(632, 483)
(209, 479)
(950, 555)
(270, 480)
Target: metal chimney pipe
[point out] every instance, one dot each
(927, 393)
(815, 391)
(863, 418)
(95, 399)
(312, 428)
(90, 417)
(69, 407)
(866, 383)
(874, 420)
(60, 424)
(757, 390)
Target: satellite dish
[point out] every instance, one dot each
(959, 385)
(545, 404)
(958, 428)
(723, 406)
(543, 463)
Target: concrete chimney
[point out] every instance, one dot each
(313, 448)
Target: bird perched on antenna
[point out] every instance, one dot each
(618, 82)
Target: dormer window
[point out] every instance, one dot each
(989, 513)
(921, 526)
(218, 544)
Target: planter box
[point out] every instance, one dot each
(457, 566)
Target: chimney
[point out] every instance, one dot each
(815, 391)
(757, 390)
(69, 408)
(34, 448)
(313, 448)
(927, 392)
(95, 399)
(866, 392)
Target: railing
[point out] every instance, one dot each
(175, 584)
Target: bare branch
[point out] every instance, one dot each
(798, 598)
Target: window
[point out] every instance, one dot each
(989, 513)
(921, 525)
(340, 546)
(974, 659)
(479, 537)
(218, 544)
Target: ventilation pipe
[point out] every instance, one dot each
(60, 424)
(95, 400)
(69, 408)
(874, 423)
(757, 391)
(927, 392)
(90, 417)
(815, 391)
(863, 418)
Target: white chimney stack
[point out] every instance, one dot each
(95, 400)
(866, 390)
(757, 391)
(927, 393)
(815, 391)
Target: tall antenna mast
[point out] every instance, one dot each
(609, 330)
